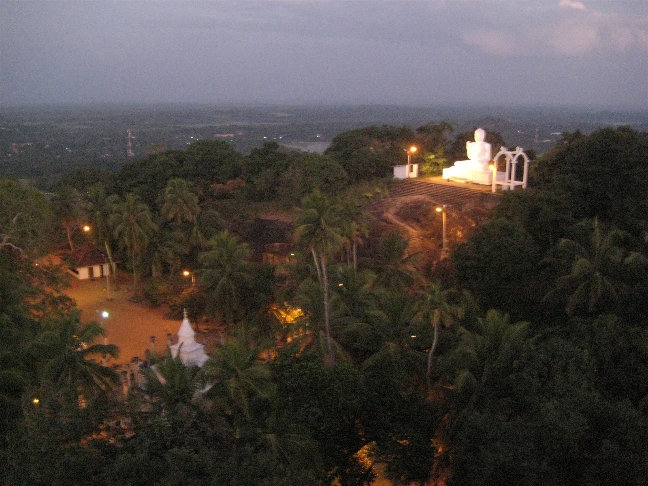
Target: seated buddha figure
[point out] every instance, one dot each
(479, 156)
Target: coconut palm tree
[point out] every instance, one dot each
(226, 274)
(71, 358)
(393, 266)
(594, 261)
(99, 206)
(434, 307)
(354, 228)
(317, 226)
(180, 202)
(170, 382)
(133, 226)
(240, 381)
(68, 208)
(486, 352)
(357, 320)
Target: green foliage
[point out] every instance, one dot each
(317, 228)
(204, 163)
(67, 205)
(25, 218)
(433, 145)
(394, 268)
(310, 172)
(561, 399)
(325, 400)
(358, 324)
(371, 152)
(226, 276)
(172, 383)
(595, 262)
(396, 416)
(180, 203)
(602, 174)
(498, 264)
(545, 215)
(262, 169)
(69, 357)
(58, 442)
(81, 178)
(133, 227)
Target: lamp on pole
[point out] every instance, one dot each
(444, 248)
(410, 151)
(104, 314)
(187, 273)
(111, 266)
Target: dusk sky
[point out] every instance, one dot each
(428, 52)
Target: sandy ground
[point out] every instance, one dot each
(129, 325)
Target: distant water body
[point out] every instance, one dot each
(316, 147)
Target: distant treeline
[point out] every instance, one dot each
(42, 143)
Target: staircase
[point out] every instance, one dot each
(457, 195)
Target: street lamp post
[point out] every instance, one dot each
(410, 151)
(444, 248)
(187, 273)
(104, 314)
(111, 266)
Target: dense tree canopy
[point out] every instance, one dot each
(520, 359)
(602, 175)
(371, 152)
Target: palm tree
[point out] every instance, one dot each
(225, 274)
(72, 358)
(393, 265)
(167, 250)
(133, 227)
(485, 353)
(68, 208)
(317, 228)
(594, 263)
(180, 203)
(435, 308)
(99, 207)
(173, 383)
(240, 380)
(354, 228)
(363, 327)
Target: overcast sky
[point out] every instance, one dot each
(427, 52)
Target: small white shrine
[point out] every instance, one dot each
(191, 353)
(409, 170)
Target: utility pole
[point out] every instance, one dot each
(129, 144)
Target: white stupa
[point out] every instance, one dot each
(191, 352)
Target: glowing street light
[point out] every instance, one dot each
(104, 314)
(187, 273)
(442, 210)
(410, 151)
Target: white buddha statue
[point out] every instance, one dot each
(479, 156)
